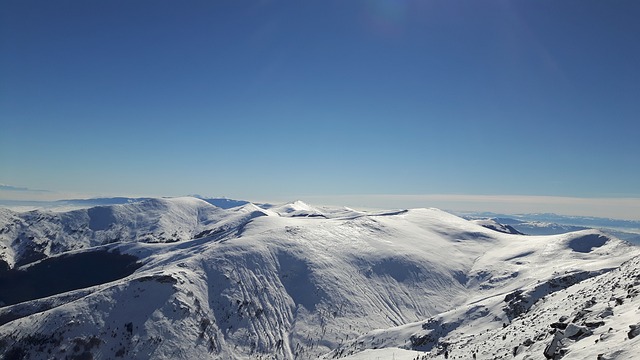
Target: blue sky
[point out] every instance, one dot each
(286, 99)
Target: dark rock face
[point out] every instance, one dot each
(64, 273)
(559, 325)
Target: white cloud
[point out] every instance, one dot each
(22, 193)
(5, 187)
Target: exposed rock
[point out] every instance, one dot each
(635, 331)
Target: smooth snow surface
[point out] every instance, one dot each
(298, 282)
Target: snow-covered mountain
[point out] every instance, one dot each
(181, 278)
(552, 224)
(495, 225)
(33, 235)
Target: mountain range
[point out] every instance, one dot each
(185, 278)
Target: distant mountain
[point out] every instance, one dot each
(99, 201)
(184, 279)
(29, 236)
(493, 224)
(578, 221)
(223, 203)
(538, 224)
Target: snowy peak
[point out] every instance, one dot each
(251, 207)
(297, 209)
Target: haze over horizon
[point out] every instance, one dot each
(508, 105)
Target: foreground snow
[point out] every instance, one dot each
(294, 281)
(597, 317)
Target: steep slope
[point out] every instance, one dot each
(254, 283)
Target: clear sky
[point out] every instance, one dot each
(286, 99)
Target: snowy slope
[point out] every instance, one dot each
(26, 237)
(286, 282)
(525, 316)
(594, 318)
